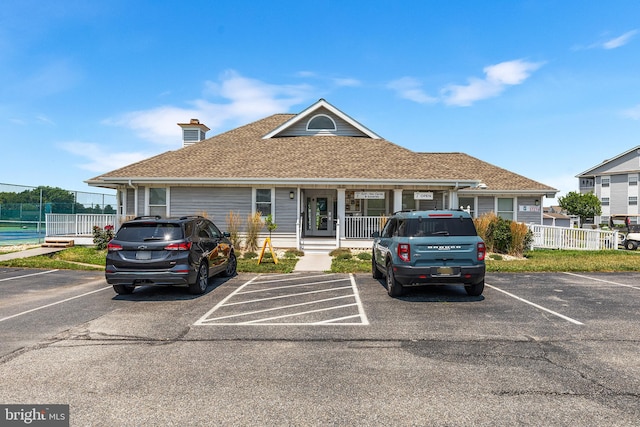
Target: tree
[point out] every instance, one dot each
(582, 205)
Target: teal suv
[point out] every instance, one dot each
(436, 247)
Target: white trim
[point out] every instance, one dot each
(147, 207)
(310, 110)
(335, 127)
(273, 201)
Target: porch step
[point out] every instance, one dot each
(319, 246)
(53, 242)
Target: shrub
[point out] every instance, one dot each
(293, 253)
(502, 235)
(233, 227)
(340, 251)
(254, 225)
(250, 255)
(364, 256)
(101, 238)
(521, 238)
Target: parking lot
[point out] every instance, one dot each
(316, 349)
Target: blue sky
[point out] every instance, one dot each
(546, 89)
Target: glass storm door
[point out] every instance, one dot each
(320, 216)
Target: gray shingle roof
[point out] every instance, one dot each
(242, 153)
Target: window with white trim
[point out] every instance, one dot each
(633, 179)
(633, 200)
(605, 201)
(505, 208)
(606, 181)
(263, 201)
(158, 201)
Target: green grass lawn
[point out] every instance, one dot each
(89, 258)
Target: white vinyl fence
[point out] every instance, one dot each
(548, 237)
(77, 224)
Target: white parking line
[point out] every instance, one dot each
(604, 281)
(244, 290)
(59, 302)
(536, 305)
(28, 275)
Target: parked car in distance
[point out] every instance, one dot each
(173, 251)
(429, 248)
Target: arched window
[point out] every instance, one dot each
(321, 122)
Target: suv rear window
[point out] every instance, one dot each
(416, 227)
(149, 231)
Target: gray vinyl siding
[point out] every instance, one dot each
(485, 205)
(131, 202)
(141, 206)
(626, 163)
(618, 194)
(214, 203)
(529, 217)
(342, 127)
(285, 211)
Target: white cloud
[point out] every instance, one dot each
(244, 99)
(346, 82)
(498, 77)
(100, 159)
(619, 41)
(411, 89)
(632, 113)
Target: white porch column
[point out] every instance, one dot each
(341, 211)
(397, 200)
(453, 200)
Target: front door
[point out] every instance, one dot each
(320, 215)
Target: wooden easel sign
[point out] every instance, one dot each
(267, 241)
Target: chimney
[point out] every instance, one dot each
(193, 132)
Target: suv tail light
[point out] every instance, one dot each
(404, 251)
(184, 246)
(113, 247)
(482, 251)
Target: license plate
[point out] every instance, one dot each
(445, 271)
(143, 255)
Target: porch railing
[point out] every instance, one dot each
(78, 224)
(361, 227)
(548, 237)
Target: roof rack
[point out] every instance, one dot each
(148, 217)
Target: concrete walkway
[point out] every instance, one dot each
(28, 253)
(314, 262)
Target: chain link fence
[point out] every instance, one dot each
(23, 210)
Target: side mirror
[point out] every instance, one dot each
(375, 234)
(226, 234)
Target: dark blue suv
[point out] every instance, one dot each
(179, 251)
(429, 247)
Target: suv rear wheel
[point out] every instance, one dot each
(474, 290)
(394, 289)
(123, 289)
(202, 280)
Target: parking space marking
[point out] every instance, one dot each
(61, 301)
(28, 275)
(604, 281)
(255, 286)
(539, 307)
